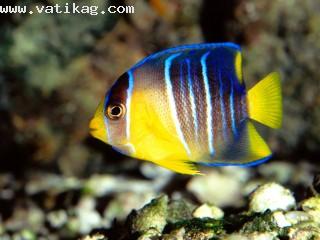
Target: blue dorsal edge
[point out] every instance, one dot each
(195, 46)
(249, 164)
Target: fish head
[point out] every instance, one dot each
(111, 119)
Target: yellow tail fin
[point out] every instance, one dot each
(265, 101)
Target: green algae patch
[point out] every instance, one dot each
(151, 216)
(260, 223)
(179, 210)
(200, 225)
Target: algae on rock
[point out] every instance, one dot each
(151, 216)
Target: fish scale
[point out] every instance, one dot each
(219, 83)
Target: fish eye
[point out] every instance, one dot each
(116, 111)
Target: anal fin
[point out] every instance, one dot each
(179, 166)
(248, 150)
(258, 148)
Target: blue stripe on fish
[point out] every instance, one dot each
(197, 46)
(167, 66)
(208, 102)
(249, 164)
(223, 118)
(128, 104)
(231, 100)
(105, 119)
(192, 99)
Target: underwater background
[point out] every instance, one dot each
(57, 182)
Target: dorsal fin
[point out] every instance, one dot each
(190, 47)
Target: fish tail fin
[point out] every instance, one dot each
(265, 101)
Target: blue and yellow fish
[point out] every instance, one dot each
(188, 106)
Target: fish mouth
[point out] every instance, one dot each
(96, 130)
(91, 130)
(93, 125)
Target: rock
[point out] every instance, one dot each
(308, 232)
(241, 174)
(252, 236)
(151, 216)
(103, 184)
(99, 185)
(200, 228)
(277, 171)
(150, 234)
(264, 222)
(312, 207)
(211, 188)
(176, 234)
(200, 235)
(56, 183)
(25, 235)
(123, 203)
(95, 237)
(73, 225)
(179, 210)
(280, 219)
(294, 217)
(87, 215)
(207, 210)
(271, 196)
(251, 186)
(30, 218)
(57, 219)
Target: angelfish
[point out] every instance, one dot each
(188, 106)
